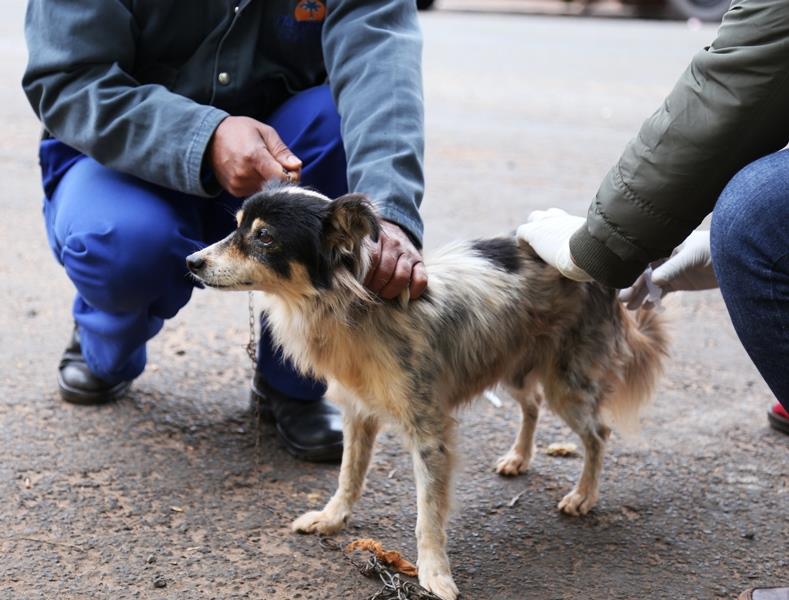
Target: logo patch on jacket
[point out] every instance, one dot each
(310, 10)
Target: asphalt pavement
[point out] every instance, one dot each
(174, 492)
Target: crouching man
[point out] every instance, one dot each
(160, 118)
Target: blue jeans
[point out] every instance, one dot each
(750, 254)
(123, 241)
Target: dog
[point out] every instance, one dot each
(493, 314)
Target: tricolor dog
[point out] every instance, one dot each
(493, 314)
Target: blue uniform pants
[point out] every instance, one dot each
(750, 254)
(123, 241)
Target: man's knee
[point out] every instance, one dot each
(321, 112)
(127, 267)
(308, 119)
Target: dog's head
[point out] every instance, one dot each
(289, 241)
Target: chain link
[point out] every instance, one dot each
(394, 587)
(252, 353)
(252, 344)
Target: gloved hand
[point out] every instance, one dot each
(549, 232)
(688, 268)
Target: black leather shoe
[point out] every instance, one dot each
(310, 431)
(76, 382)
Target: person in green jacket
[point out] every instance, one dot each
(715, 145)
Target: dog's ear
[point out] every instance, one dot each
(350, 219)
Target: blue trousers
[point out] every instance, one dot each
(123, 241)
(750, 254)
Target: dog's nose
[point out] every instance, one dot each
(195, 263)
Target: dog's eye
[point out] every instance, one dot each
(264, 237)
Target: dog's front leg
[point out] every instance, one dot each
(358, 439)
(432, 455)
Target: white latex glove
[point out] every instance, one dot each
(688, 268)
(549, 232)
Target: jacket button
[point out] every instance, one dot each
(223, 78)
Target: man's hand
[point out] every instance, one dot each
(396, 265)
(549, 232)
(688, 268)
(245, 154)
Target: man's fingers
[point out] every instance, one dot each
(240, 187)
(384, 272)
(395, 265)
(418, 280)
(375, 260)
(268, 168)
(279, 151)
(401, 278)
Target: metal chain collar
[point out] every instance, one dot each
(251, 344)
(394, 587)
(252, 353)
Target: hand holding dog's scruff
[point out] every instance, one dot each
(246, 153)
(396, 265)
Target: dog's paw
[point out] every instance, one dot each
(440, 583)
(578, 503)
(513, 463)
(320, 521)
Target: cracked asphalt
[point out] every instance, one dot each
(175, 492)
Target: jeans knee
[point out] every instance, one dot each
(738, 208)
(748, 219)
(728, 229)
(722, 227)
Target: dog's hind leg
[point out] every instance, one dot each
(431, 447)
(358, 440)
(580, 411)
(527, 394)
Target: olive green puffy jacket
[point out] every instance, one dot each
(730, 107)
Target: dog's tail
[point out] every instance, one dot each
(645, 346)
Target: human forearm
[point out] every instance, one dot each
(726, 110)
(373, 57)
(79, 84)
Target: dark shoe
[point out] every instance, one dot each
(773, 593)
(778, 418)
(311, 431)
(76, 382)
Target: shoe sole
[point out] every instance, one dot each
(778, 423)
(330, 454)
(74, 396)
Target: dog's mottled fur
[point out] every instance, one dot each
(493, 314)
